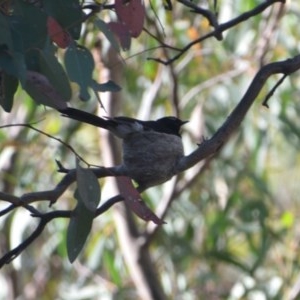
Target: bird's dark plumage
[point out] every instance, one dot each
(120, 126)
(151, 149)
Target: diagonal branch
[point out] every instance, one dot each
(211, 146)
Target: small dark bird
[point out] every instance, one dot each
(151, 149)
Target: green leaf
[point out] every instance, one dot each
(45, 62)
(79, 228)
(88, 188)
(13, 64)
(7, 63)
(21, 69)
(27, 33)
(108, 86)
(80, 65)
(53, 70)
(5, 32)
(9, 85)
(104, 28)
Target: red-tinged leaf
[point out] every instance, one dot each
(132, 13)
(135, 202)
(57, 34)
(42, 91)
(122, 32)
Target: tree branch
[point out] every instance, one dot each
(219, 29)
(205, 150)
(211, 146)
(44, 220)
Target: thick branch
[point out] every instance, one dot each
(211, 146)
(55, 193)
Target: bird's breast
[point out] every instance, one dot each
(150, 157)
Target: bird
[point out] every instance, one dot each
(151, 149)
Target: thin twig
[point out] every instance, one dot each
(272, 91)
(49, 136)
(221, 28)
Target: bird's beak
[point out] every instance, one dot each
(184, 122)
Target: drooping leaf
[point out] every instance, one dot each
(122, 32)
(134, 201)
(42, 91)
(5, 32)
(131, 13)
(8, 87)
(67, 13)
(21, 68)
(57, 34)
(53, 70)
(105, 29)
(88, 188)
(6, 62)
(80, 65)
(79, 228)
(13, 64)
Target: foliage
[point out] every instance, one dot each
(231, 231)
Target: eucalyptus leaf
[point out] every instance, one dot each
(42, 91)
(104, 28)
(28, 34)
(68, 13)
(5, 32)
(53, 70)
(9, 85)
(80, 65)
(79, 228)
(88, 188)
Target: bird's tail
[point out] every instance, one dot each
(85, 117)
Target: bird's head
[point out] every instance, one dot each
(169, 125)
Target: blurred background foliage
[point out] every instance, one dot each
(233, 232)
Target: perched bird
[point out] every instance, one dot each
(151, 149)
